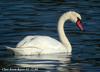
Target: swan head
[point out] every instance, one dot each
(75, 17)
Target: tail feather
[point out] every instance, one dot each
(9, 48)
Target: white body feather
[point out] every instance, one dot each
(32, 45)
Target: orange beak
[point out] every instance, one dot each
(79, 24)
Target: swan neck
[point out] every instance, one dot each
(61, 32)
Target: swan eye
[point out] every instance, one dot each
(79, 24)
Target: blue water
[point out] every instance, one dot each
(19, 18)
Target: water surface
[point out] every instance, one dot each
(20, 18)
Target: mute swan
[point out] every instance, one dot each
(32, 45)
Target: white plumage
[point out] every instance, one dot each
(32, 45)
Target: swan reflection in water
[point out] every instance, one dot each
(57, 62)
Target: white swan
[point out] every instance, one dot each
(32, 45)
